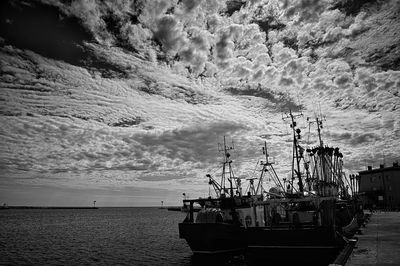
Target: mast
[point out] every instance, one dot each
(319, 126)
(298, 151)
(319, 159)
(229, 183)
(328, 166)
(267, 164)
(227, 171)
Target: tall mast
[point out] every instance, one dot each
(328, 165)
(319, 126)
(297, 151)
(319, 161)
(227, 169)
(268, 164)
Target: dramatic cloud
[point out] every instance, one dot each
(138, 94)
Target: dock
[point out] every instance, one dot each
(379, 242)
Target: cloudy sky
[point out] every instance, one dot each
(125, 102)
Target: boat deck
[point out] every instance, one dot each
(379, 243)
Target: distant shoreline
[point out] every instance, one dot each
(36, 207)
(82, 207)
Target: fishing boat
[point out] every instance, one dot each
(218, 227)
(299, 216)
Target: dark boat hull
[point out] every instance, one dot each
(213, 238)
(292, 255)
(311, 246)
(286, 236)
(281, 245)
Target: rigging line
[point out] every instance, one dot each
(215, 169)
(273, 179)
(255, 168)
(247, 188)
(309, 133)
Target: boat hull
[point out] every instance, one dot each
(286, 236)
(213, 238)
(311, 246)
(292, 255)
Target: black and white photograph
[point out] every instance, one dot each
(200, 132)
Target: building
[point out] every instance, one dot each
(380, 187)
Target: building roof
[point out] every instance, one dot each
(378, 170)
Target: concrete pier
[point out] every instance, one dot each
(379, 243)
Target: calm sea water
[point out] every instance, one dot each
(106, 236)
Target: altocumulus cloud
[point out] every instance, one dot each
(138, 93)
